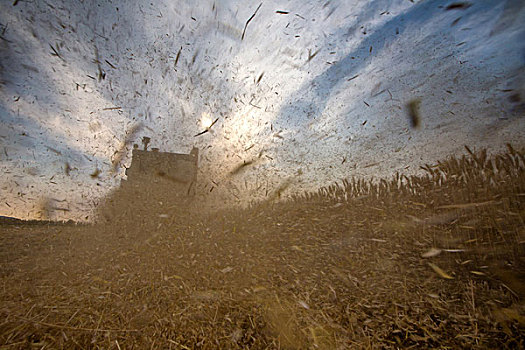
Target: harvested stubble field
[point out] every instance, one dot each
(434, 261)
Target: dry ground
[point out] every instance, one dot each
(435, 261)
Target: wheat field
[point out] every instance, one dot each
(428, 261)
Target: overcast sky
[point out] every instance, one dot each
(314, 91)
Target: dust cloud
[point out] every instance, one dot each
(307, 93)
(225, 175)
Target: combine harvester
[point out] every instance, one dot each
(158, 184)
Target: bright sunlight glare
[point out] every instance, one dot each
(206, 120)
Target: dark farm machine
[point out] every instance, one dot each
(158, 184)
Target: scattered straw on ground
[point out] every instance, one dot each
(434, 261)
